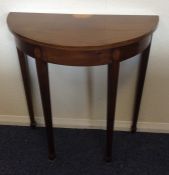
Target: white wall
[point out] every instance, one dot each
(80, 93)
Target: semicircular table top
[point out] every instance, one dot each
(73, 30)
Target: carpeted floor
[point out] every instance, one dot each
(23, 151)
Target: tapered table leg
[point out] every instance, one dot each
(26, 81)
(42, 71)
(113, 72)
(139, 88)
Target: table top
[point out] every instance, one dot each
(73, 30)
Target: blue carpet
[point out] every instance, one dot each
(23, 151)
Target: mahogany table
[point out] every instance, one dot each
(81, 40)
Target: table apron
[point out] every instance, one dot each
(82, 57)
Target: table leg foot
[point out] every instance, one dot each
(52, 156)
(108, 159)
(33, 125)
(133, 129)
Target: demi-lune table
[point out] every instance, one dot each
(81, 40)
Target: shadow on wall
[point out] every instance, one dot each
(127, 69)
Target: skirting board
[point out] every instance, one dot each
(86, 123)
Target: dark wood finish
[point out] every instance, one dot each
(84, 40)
(81, 31)
(71, 57)
(113, 72)
(26, 82)
(42, 72)
(140, 84)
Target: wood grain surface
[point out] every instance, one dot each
(68, 30)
